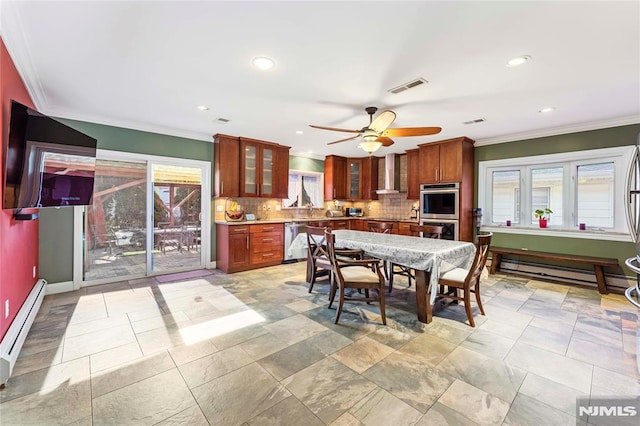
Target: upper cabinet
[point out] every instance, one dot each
(354, 183)
(226, 161)
(254, 169)
(368, 178)
(445, 161)
(350, 178)
(413, 175)
(335, 178)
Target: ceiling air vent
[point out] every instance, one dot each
(222, 120)
(477, 120)
(407, 86)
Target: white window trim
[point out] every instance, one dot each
(319, 175)
(622, 157)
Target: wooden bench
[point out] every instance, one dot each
(597, 262)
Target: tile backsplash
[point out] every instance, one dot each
(389, 206)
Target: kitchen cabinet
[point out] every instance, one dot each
(413, 174)
(335, 178)
(358, 224)
(339, 224)
(232, 248)
(244, 247)
(266, 244)
(226, 161)
(264, 169)
(445, 161)
(354, 183)
(369, 178)
(403, 228)
(350, 178)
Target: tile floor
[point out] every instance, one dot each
(256, 348)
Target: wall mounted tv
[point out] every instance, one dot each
(46, 163)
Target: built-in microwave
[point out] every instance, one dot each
(440, 201)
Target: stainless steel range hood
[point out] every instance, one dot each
(391, 175)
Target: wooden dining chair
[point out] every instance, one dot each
(359, 274)
(381, 228)
(318, 264)
(468, 281)
(425, 231)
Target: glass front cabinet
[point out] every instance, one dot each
(264, 169)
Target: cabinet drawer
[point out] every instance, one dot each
(266, 241)
(267, 227)
(244, 229)
(403, 228)
(340, 224)
(272, 256)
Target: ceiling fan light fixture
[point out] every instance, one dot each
(370, 146)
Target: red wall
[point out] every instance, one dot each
(18, 239)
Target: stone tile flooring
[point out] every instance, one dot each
(255, 348)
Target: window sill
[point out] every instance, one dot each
(588, 234)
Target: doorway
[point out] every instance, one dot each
(145, 219)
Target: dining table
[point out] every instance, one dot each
(428, 257)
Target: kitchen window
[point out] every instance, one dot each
(304, 188)
(579, 187)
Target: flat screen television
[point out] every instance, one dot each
(46, 163)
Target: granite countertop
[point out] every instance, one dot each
(306, 219)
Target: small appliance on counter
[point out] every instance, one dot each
(335, 213)
(353, 212)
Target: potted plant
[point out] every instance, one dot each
(543, 216)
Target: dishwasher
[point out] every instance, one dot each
(291, 231)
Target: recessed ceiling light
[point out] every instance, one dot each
(310, 151)
(203, 108)
(547, 109)
(263, 63)
(518, 61)
(299, 132)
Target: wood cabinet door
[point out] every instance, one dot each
(429, 163)
(238, 252)
(250, 165)
(354, 183)
(281, 173)
(413, 177)
(369, 178)
(335, 178)
(451, 161)
(226, 166)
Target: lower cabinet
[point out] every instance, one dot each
(244, 247)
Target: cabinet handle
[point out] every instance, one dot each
(267, 240)
(334, 193)
(436, 173)
(267, 228)
(267, 255)
(221, 187)
(247, 242)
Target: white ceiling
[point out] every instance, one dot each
(148, 65)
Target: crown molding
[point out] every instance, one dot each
(15, 39)
(561, 130)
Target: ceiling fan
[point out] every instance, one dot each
(378, 133)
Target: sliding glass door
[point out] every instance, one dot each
(146, 218)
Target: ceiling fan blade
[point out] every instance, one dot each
(412, 131)
(343, 140)
(383, 121)
(385, 140)
(334, 129)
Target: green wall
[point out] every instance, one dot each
(594, 139)
(56, 225)
(306, 164)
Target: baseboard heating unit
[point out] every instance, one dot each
(17, 333)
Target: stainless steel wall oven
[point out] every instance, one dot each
(440, 201)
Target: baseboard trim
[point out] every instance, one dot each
(62, 287)
(616, 283)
